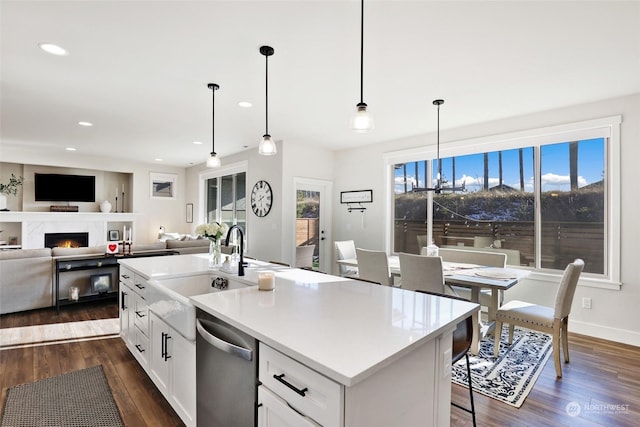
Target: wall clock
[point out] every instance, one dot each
(261, 198)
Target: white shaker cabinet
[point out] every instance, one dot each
(172, 368)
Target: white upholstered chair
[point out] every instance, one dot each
(551, 320)
(346, 249)
(374, 266)
(304, 256)
(421, 273)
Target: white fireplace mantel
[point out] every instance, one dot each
(35, 224)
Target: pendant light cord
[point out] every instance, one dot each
(438, 149)
(213, 87)
(266, 115)
(361, 51)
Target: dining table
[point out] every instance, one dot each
(476, 278)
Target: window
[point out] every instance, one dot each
(224, 196)
(544, 197)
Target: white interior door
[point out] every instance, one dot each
(313, 219)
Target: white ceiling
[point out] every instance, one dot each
(139, 70)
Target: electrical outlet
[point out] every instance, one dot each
(586, 303)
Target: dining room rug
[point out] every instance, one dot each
(510, 377)
(76, 399)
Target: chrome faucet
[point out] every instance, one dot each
(226, 243)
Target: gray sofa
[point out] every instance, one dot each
(26, 275)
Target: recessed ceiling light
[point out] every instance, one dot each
(87, 124)
(245, 104)
(158, 160)
(197, 142)
(53, 49)
(70, 149)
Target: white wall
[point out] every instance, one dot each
(614, 314)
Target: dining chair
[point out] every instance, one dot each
(304, 256)
(552, 320)
(487, 259)
(346, 249)
(421, 273)
(373, 265)
(462, 339)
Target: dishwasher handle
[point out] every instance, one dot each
(239, 348)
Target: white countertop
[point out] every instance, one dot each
(169, 266)
(342, 328)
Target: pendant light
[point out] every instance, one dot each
(362, 120)
(267, 145)
(213, 161)
(438, 188)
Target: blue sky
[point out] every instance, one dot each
(555, 168)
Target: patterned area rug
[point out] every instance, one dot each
(77, 399)
(511, 376)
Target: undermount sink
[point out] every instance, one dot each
(169, 299)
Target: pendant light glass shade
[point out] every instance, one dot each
(267, 146)
(213, 161)
(362, 121)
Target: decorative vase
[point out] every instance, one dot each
(3, 202)
(215, 253)
(105, 206)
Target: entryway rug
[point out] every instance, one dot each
(510, 377)
(77, 399)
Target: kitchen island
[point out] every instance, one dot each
(367, 355)
(386, 350)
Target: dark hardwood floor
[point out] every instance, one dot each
(602, 381)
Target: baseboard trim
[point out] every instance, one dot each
(604, 332)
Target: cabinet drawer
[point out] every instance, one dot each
(126, 276)
(139, 285)
(141, 315)
(305, 390)
(274, 412)
(141, 348)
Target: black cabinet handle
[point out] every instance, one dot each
(123, 306)
(166, 347)
(140, 315)
(281, 379)
(140, 349)
(139, 286)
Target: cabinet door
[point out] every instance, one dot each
(274, 412)
(158, 360)
(126, 305)
(183, 376)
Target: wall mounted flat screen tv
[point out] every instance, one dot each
(53, 187)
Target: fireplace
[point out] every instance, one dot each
(66, 240)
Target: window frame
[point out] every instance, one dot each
(205, 175)
(607, 127)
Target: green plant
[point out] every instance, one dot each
(12, 186)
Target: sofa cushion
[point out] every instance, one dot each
(158, 246)
(25, 253)
(175, 244)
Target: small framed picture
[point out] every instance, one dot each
(189, 212)
(101, 283)
(114, 235)
(163, 185)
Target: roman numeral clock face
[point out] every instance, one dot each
(261, 198)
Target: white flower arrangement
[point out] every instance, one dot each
(212, 231)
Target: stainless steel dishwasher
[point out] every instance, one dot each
(227, 372)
